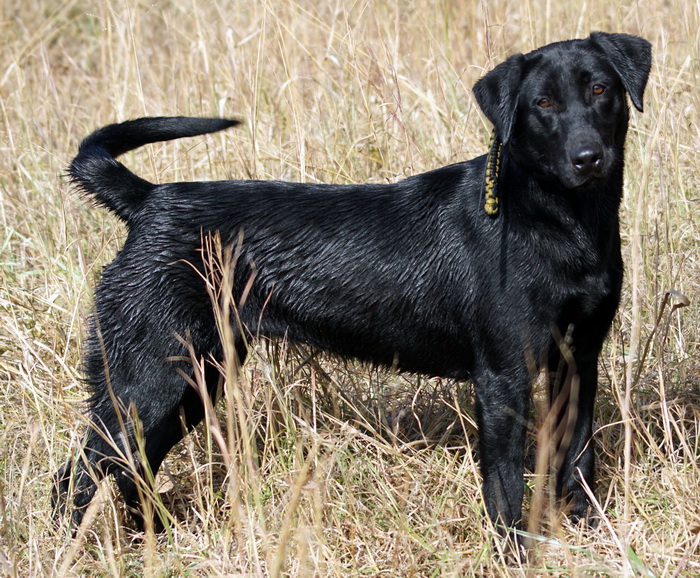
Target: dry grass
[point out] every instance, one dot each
(299, 472)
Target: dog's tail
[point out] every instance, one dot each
(96, 172)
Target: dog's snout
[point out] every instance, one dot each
(587, 158)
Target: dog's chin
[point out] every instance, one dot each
(580, 184)
(570, 180)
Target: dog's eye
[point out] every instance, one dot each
(598, 89)
(544, 103)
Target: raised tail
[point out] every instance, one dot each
(96, 172)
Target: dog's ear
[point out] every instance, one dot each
(631, 59)
(497, 94)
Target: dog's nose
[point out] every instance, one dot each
(586, 158)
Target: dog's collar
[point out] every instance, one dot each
(493, 167)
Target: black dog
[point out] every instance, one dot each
(471, 271)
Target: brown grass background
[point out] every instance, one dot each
(317, 467)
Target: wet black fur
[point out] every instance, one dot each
(413, 274)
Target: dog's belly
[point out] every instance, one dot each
(382, 335)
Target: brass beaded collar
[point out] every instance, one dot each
(493, 166)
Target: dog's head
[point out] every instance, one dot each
(561, 109)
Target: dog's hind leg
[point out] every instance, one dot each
(104, 453)
(78, 480)
(129, 438)
(158, 439)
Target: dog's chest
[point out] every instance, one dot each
(585, 296)
(560, 282)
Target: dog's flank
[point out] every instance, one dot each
(438, 274)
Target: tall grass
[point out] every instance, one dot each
(311, 465)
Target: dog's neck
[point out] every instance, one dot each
(493, 168)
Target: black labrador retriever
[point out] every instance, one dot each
(474, 271)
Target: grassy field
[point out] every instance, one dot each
(324, 467)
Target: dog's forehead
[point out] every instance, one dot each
(565, 65)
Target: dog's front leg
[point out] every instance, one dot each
(572, 397)
(502, 406)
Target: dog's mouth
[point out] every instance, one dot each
(572, 178)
